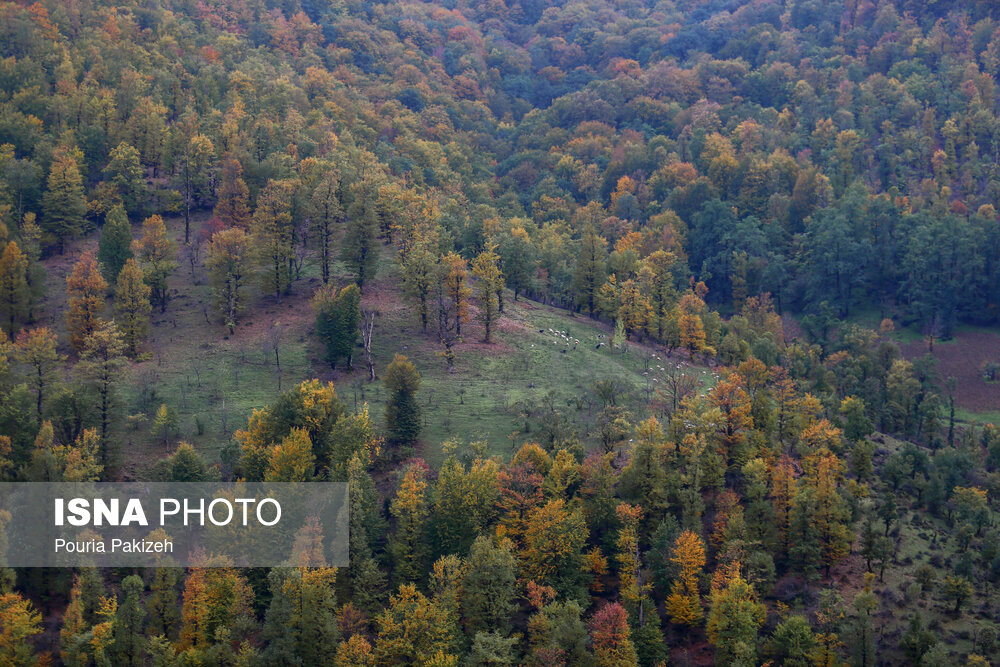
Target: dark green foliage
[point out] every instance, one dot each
(489, 590)
(128, 638)
(402, 413)
(337, 315)
(115, 247)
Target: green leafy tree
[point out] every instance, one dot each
(64, 204)
(327, 212)
(156, 252)
(489, 587)
(273, 234)
(115, 247)
(489, 286)
(338, 313)
(101, 363)
(360, 244)
(15, 296)
(793, 643)
(129, 641)
(591, 269)
(734, 619)
(229, 262)
(408, 543)
(132, 305)
(125, 173)
(402, 413)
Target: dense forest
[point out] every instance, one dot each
(645, 333)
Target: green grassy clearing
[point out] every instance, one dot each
(541, 359)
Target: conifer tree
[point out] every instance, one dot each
(337, 315)
(125, 173)
(489, 587)
(684, 602)
(402, 413)
(64, 203)
(101, 362)
(15, 297)
(408, 543)
(115, 247)
(156, 252)
(132, 305)
(233, 206)
(591, 269)
(129, 641)
(85, 289)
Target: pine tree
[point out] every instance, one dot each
(155, 252)
(132, 305)
(338, 313)
(408, 543)
(733, 623)
(402, 413)
(101, 363)
(489, 285)
(85, 289)
(228, 266)
(64, 203)
(15, 297)
(273, 235)
(489, 587)
(591, 269)
(162, 609)
(233, 207)
(684, 602)
(18, 621)
(129, 641)
(125, 172)
(115, 247)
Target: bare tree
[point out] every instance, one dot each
(367, 325)
(191, 253)
(272, 344)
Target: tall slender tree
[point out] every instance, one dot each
(85, 289)
(132, 305)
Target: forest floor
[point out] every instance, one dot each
(542, 358)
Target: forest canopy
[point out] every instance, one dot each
(293, 241)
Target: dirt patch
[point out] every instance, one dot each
(962, 358)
